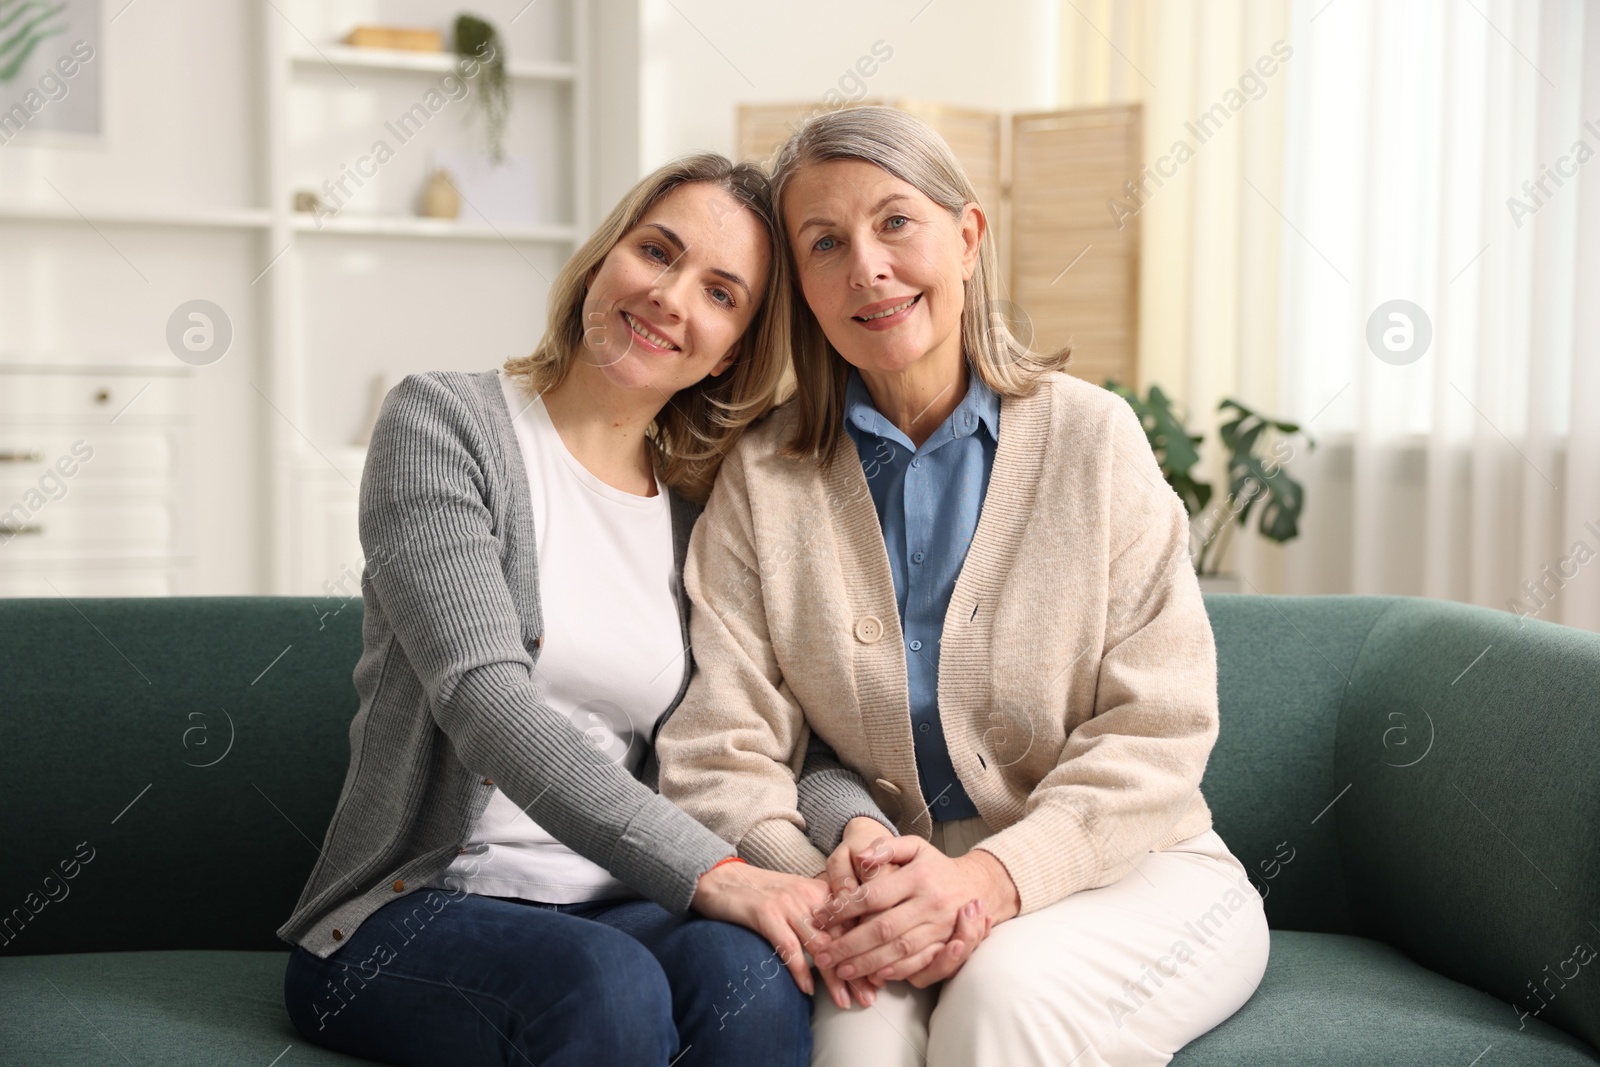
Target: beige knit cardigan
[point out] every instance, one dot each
(1077, 674)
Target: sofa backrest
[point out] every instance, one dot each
(168, 766)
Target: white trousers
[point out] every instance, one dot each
(1120, 976)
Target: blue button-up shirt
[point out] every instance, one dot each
(928, 500)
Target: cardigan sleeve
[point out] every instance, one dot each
(436, 573)
(730, 754)
(831, 794)
(1129, 773)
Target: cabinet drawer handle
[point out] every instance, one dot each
(21, 457)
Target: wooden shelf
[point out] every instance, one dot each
(425, 62)
(243, 219)
(448, 229)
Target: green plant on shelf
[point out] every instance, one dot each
(1257, 449)
(478, 40)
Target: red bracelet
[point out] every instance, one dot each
(719, 863)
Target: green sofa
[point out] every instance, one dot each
(1412, 784)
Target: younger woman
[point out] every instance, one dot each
(500, 882)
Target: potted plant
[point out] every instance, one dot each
(478, 40)
(1258, 447)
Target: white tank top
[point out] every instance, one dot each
(612, 657)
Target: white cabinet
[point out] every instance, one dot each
(91, 480)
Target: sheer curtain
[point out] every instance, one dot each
(1447, 155)
(1213, 76)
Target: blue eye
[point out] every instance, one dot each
(896, 221)
(723, 297)
(824, 245)
(656, 252)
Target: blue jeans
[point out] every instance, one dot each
(439, 978)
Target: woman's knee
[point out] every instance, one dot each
(728, 978)
(616, 1002)
(999, 1009)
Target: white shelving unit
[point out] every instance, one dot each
(400, 226)
(314, 491)
(247, 219)
(321, 307)
(340, 56)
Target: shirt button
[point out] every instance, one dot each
(943, 801)
(923, 728)
(916, 557)
(916, 646)
(869, 629)
(916, 463)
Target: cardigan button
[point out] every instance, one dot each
(488, 781)
(399, 886)
(538, 642)
(888, 787)
(869, 629)
(338, 935)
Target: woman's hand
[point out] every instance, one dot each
(840, 991)
(972, 926)
(843, 874)
(775, 905)
(844, 878)
(913, 913)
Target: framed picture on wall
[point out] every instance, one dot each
(51, 55)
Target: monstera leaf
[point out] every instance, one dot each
(1257, 479)
(1255, 473)
(1176, 449)
(24, 26)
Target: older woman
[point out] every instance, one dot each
(933, 481)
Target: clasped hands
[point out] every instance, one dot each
(898, 908)
(885, 908)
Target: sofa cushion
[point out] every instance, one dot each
(174, 1008)
(1338, 1001)
(1326, 999)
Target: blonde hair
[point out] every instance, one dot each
(700, 423)
(912, 151)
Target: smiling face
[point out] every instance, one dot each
(882, 266)
(671, 300)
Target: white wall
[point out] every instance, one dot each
(699, 59)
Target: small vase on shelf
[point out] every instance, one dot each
(440, 200)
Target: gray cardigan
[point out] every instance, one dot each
(448, 708)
